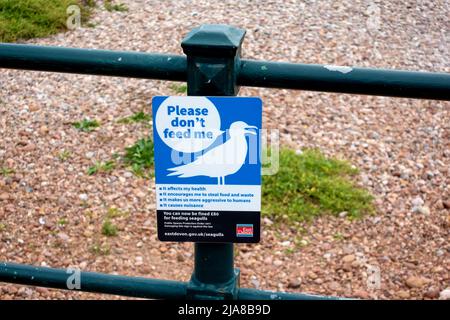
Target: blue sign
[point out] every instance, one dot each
(207, 167)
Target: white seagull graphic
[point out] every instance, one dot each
(221, 161)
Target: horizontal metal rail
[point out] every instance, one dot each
(93, 282)
(393, 83)
(128, 286)
(380, 82)
(94, 62)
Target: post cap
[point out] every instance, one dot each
(213, 40)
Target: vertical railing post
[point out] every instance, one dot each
(213, 53)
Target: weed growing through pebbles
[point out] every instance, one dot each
(114, 212)
(86, 125)
(101, 167)
(64, 155)
(338, 236)
(111, 6)
(6, 171)
(62, 222)
(109, 229)
(178, 88)
(310, 184)
(140, 116)
(140, 156)
(100, 249)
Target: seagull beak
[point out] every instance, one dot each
(248, 130)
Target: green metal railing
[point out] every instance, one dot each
(212, 67)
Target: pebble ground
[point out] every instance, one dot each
(51, 211)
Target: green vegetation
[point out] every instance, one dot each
(101, 167)
(112, 6)
(114, 212)
(140, 156)
(178, 88)
(91, 25)
(338, 236)
(109, 229)
(137, 117)
(100, 249)
(26, 19)
(62, 222)
(5, 171)
(289, 251)
(89, 3)
(64, 155)
(86, 125)
(310, 184)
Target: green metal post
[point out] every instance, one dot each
(213, 53)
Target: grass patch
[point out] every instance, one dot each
(86, 125)
(62, 222)
(140, 116)
(91, 25)
(338, 236)
(310, 184)
(101, 167)
(89, 3)
(109, 229)
(112, 6)
(289, 251)
(101, 250)
(178, 88)
(140, 156)
(26, 19)
(64, 155)
(5, 171)
(114, 212)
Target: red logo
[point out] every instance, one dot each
(244, 230)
